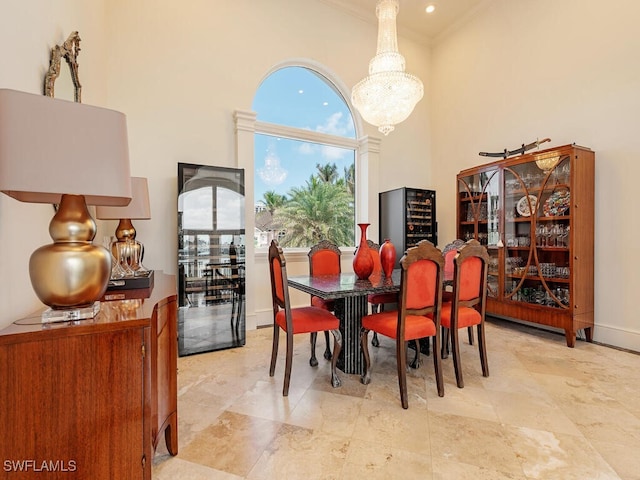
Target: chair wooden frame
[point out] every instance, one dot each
(446, 294)
(235, 281)
(237, 288)
(322, 245)
(471, 249)
(373, 298)
(425, 250)
(281, 302)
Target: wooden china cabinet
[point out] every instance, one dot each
(91, 399)
(535, 214)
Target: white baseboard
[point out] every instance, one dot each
(262, 318)
(603, 334)
(617, 337)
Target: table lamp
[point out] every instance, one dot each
(69, 154)
(138, 209)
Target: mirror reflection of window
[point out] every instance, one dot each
(196, 207)
(230, 211)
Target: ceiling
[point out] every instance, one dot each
(412, 21)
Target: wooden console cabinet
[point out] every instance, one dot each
(535, 214)
(90, 399)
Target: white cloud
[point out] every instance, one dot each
(327, 152)
(306, 149)
(333, 153)
(334, 125)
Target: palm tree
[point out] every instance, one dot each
(328, 172)
(350, 178)
(273, 201)
(319, 210)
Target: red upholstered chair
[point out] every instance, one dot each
(296, 320)
(468, 303)
(418, 314)
(449, 251)
(377, 300)
(324, 259)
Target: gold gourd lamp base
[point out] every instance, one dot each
(127, 251)
(127, 246)
(125, 230)
(71, 272)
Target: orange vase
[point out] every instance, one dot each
(387, 257)
(363, 261)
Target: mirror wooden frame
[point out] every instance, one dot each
(69, 50)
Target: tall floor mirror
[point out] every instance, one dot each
(211, 258)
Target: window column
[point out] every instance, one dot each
(368, 183)
(245, 129)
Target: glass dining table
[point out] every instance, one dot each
(349, 294)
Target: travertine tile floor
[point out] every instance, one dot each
(546, 412)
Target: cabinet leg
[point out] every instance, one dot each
(570, 335)
(171, 435)
(588, 334)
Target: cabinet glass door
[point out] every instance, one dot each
(536, 232)
(478, 195)
(420, 215)
(553, 233)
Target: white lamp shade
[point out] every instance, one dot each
(138, 209)
(50, 147)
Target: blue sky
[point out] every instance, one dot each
(298, 97)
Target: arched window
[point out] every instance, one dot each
(305, 153)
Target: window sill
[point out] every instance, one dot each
(293, 254)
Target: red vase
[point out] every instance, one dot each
(363, 261)
(387, 257)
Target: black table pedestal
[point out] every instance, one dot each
(350, 311)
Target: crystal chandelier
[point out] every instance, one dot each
(272, 173)
(388, 94)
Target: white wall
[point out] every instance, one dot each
(179, 70)
(567, 70)
(28, 30)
